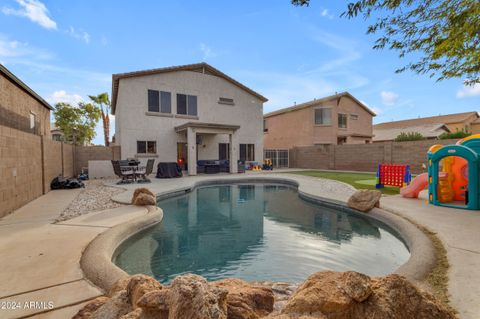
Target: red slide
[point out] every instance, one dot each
(418, 184)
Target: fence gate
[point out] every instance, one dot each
(279, 157)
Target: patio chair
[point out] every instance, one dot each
(126, 174)
(143, 172)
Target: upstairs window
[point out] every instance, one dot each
(323, 116)
(32, 121)
(354, 116)
(159, 101)
(146, 147)
(265, 127)
(342, 120)
(227, 101)
(187, 104)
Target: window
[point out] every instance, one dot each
(247, 152)
(342, 120)
(265, 128)
(146, 147)
(223, 151)
(354, 116)
(227, 101)
(323, 116)
(32, 120)
(159, 101)
(186, 104)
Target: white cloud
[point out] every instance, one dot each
(63, 96)
(34, 10)
(207, 51)
(78, 34)
(376, 110)
(469, 90)
(326, 14)
(388, 98)
(10, 49)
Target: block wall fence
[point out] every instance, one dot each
(29, 162)
(364, 157)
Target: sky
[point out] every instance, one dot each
(67, 50)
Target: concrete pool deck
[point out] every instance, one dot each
(41, 260)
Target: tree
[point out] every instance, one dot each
(77, 123)
(103, 103)
(454, 135)
(444, 34)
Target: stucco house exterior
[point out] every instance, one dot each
(190, 112)
(333, 120)
(22, 108)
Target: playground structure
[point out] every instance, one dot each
(453, 175)
(393, 175)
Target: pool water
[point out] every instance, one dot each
(258, 232)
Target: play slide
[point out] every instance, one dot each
(418, 184)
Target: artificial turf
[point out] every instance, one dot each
(357, 180)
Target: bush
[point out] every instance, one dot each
(410, 136)
(454, 135)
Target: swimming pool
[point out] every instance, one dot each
(258, 232)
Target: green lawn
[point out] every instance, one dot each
(357, 180)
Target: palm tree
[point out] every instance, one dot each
(103, 102)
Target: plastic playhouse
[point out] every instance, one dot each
(452, 177)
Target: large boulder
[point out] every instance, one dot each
(143, 196)
(364, 200)
(246, 301)
(350, 295)
(138, 286)
(188, 297)
(87, 311)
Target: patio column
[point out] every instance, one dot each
(233, 152)
(192, 151)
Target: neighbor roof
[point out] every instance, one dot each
(23, 86)
(197, 67)
(317, 101)
(427, 130)
(444, 119)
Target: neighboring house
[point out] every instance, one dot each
(187, 112)
(20, 107)
(452, 122)
(336, 119)
(57, 133)
(475, 126)
(428, 131)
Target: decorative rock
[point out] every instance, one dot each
(357, 286)
(364, 200)
(246, 301)
(141, 190)
(87, 311)
(138, 286)
(120, 285)
(334, 295)
(145, 200)
(189, 297)
(114, 308)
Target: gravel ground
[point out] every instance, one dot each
(96, 196)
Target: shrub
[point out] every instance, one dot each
(410, 136)
(454, 135)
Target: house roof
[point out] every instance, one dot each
(427, 130)
(197, 67)
(444, 119)
(317, 101)
(23, 86)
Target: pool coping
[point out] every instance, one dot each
(98, 267)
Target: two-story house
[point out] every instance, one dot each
(187, 113)
(336, 119)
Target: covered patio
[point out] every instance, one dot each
(192, 129)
